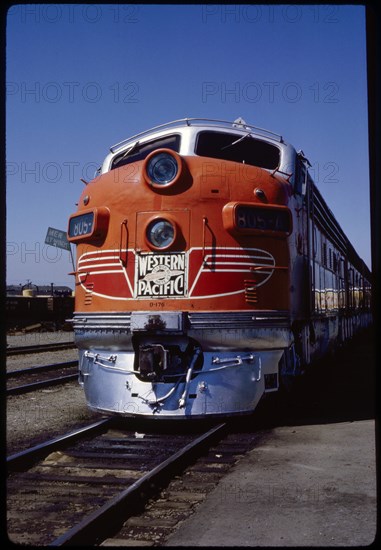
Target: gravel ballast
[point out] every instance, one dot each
(39, 415)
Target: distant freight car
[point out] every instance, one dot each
(209, 269)
(22, 311)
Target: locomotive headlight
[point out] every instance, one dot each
(162, 168)
(161, 233)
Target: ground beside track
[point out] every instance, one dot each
(39, 415)
(39, 338)
(312, 485)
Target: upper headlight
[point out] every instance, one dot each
(161, 233)
(162, 168)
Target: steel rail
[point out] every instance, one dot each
(24, 459)
(25, 388)
(108, 518)
(20, 350)
(32, 386)
(41, 368)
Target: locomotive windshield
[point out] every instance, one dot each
(247, 149)
(139, 152)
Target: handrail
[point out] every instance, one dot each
(204, 224)
(123, 224)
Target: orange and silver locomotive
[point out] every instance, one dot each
(209, 269)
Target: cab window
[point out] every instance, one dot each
(139, 152)
(244, 149)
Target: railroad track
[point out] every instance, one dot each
(42, 376)
(177, 501)
(22, 350)
(81, 488)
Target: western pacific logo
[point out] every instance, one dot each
(160, 275)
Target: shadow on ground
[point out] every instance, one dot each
(340, 388)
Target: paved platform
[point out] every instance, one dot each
(311, 481)
(304, 485)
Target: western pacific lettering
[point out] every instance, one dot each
(161, 275)
(173, 261)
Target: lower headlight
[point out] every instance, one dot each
(161, 233)
(162, 168)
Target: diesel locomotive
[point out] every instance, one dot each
(209, 270)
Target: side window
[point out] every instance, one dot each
(324, 254)
(300, 176)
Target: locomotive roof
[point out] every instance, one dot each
(238, 124)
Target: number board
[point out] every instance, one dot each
(82, 225)
(265, 219)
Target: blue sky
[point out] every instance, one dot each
(83, 77)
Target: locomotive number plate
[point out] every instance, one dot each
(265, 219)
(80, 226)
